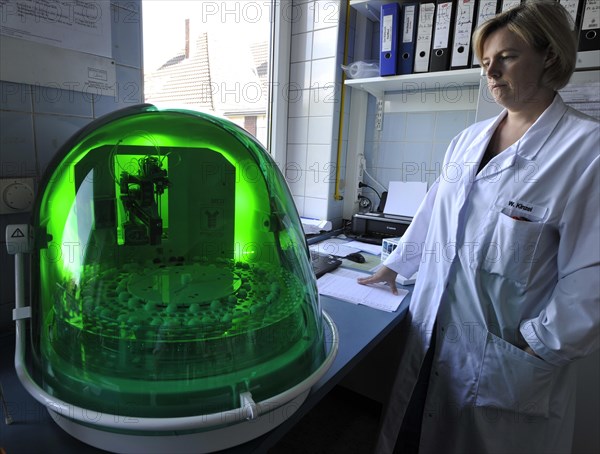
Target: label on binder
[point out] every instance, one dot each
(442, 26)
(462, 33)
(409, 24)
(590, 15)
(572, 7)
(387, 33)
(424, 32)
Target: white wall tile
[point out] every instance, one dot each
(300, 75)
(51, 133)
(298, 103)
(300, 14)
(420, 126)
(325, 43)
(394, 127)
(298, 130)
(449, 124)
(301, 47)
(64, 102)
(318, 184)
(327, 13)
(296, 155)
(322, 72)
(315, 207)
(14, 96)
(126, 34)
(18, 151)
(319, 157)
(320, 130)
(322, 101)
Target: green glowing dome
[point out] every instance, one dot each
(170, 271)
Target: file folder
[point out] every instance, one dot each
(508, 4)
(463, 28)
(486, 9)
(442, 32)
(589, 32)
(424, 36)
(388, 56)
(408, 38)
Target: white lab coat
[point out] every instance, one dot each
(496, 284)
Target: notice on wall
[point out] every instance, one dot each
(82, 26)
(584, 97)
(61, 44)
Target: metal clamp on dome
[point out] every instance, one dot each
(21, 313)
(249, 405)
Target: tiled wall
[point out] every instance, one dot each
(317, 50)
(410, 146)
(35, 121)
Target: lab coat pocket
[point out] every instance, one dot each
(507, 246)
(511, 379)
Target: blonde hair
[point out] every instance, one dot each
(543, 25)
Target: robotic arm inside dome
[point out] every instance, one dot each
(140, 195)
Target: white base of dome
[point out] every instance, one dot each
(199, 442)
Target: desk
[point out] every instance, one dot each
(360, 329)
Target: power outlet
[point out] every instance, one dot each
(16, 195)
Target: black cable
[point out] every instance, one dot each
(364, 185)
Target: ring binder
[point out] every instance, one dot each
(406, 55)
(442, 30)
(463, 27)
(388, 56)
(486, 9)
(424, 35)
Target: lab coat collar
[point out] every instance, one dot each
(536, 136)
(526, 147)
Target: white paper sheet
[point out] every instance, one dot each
(404, 197)
(342, 284)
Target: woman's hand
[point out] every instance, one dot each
(384, 274)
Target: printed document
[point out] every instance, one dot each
(342, 284)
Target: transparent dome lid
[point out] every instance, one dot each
(170, 271)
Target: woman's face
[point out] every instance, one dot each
(514, 70)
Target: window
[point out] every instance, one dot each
(212, 56)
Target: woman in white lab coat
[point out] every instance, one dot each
(507, 244)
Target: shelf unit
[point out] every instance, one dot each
(369, 8)
(378, 86)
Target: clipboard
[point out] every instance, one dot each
(408, 37)
(424, 37)
(442, 32)
(463, 28)
(388, 53)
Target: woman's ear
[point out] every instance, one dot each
(550, 59)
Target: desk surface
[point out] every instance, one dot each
(360, 329)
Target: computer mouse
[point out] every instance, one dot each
(356, 257)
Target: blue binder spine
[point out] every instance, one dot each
(388, 56)
(408, 38)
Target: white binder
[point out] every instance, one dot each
(507, 4)
(463, 27)
(486, 10)
(424, 34)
